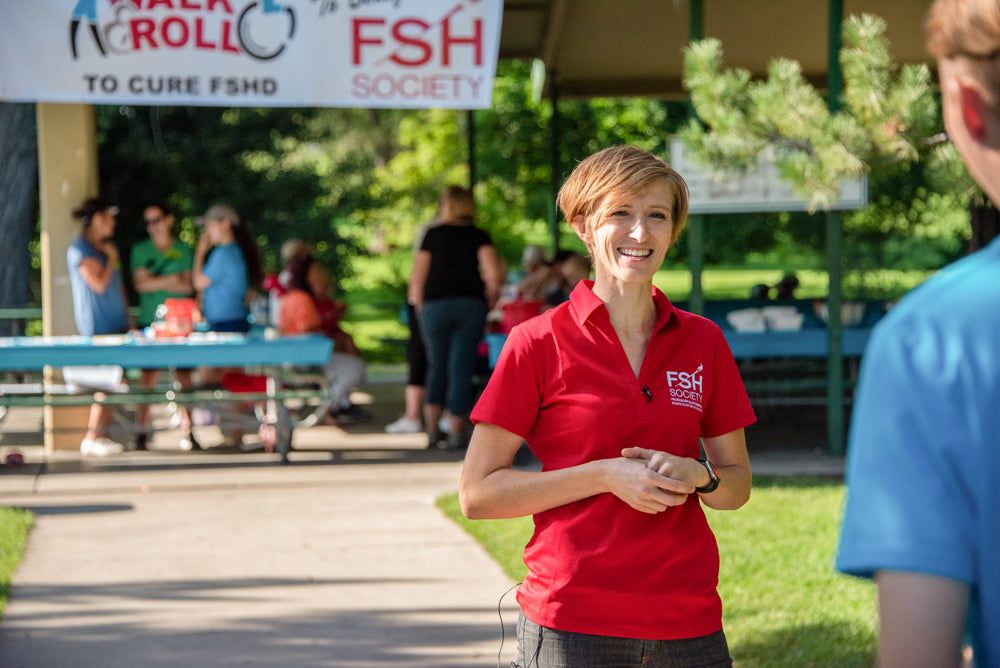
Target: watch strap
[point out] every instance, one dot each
(714, 478)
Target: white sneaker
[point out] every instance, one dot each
(102, 446)
(444, 425)
(404, 425)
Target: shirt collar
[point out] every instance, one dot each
(585, 303)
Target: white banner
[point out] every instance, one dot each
(277, 53)
(760, 189)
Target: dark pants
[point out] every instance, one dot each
(416, 354)
(452, 330)
(542, 647)
(238, 326)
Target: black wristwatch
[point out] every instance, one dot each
(714, 479)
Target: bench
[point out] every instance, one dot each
(783, 360)
(272, 369)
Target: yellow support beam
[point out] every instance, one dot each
(67, 174)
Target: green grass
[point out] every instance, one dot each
(503, 539)
(377, 289)
(14, 526)
(784, 605)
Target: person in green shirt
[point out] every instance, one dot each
(161, 269)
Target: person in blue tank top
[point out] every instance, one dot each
(923, 506)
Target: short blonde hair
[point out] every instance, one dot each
(968, 29)
(456, 204)
(620, 170)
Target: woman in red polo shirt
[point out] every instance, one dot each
(616, 392)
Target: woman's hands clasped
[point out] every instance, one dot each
(652, 481)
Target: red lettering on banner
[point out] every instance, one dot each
(189, 5)
(441, 87)
(199, 35)
(142, 29)
(227, 35)
(421, 45)
(447, 40)
(358, 41)
(364, 34)
(174, 32)
(225, 5)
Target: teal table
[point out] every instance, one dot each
(272, 356)
(30, 353)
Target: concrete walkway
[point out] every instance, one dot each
(338, 559)
(165, 558)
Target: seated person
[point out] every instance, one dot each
(331, 310)
(276, 285)
(785, 288)
(760, 292)
(532, 257)
(573, 269)
(300, 314)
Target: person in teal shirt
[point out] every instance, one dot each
(161, 265)
(161, 269)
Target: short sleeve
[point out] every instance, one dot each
(728, 407)
(74, 256)
(512, 397)
(908, 507)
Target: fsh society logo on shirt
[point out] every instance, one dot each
(686, 388)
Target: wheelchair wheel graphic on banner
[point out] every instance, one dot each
(264, 35)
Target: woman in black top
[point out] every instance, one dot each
(456, 280)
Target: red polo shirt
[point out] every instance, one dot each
(563, 383)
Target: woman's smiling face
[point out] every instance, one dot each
(630, 234)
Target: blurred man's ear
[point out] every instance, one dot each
(974, 108)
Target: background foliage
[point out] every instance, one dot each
(887, 126)
(358, 183)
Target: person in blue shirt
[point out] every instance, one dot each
(99, 302)
(226, 268)
(225, 274)
(922, 515)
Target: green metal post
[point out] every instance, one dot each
(834, 42)
(556, 177)
(696, 260)
(470, 135)
(835, 364)
(696, 20)
(696, 224)
(834, 245)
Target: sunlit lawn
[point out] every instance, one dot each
(378, 290)
(14, 526)
(785, 606)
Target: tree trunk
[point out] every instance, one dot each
(18, 179)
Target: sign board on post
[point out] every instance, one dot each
(761, 189)
(278, 53)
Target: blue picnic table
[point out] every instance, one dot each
(267, 357)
